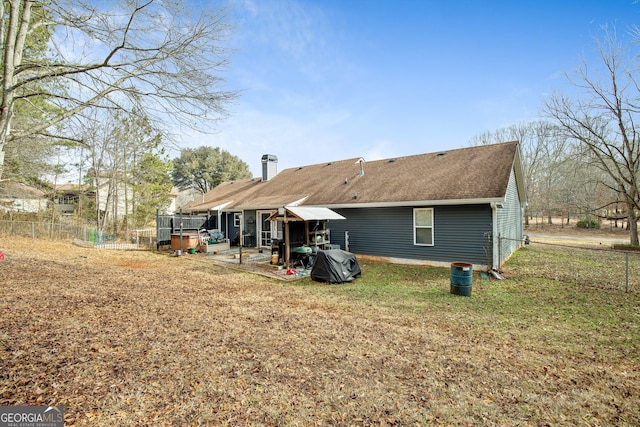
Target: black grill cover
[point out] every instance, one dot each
(335, 266)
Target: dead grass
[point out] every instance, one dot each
(560, 227)
(137, 339)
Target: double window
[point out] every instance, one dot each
(423, 226)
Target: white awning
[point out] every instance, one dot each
(305, 213)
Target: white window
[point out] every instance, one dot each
(423, 226)
(236, 219)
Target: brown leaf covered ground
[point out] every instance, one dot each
(142, 339)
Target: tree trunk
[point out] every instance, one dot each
(632, 223)
(13, 37)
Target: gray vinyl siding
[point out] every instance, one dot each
(510, 221)
(460, 233)
(232, 231)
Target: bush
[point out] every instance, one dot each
(589, 223)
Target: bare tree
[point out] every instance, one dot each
(136, 141)
(98, 160)
(582, 191)
(603, 119)
(162, 56)
(542, 151)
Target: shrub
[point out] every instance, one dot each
(588, 223)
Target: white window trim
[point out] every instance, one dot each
(415, 227)
(236, 219)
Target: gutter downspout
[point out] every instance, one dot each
(240, 240)
(495, 257)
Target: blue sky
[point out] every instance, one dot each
(330, 80)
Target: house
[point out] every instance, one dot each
(457, 205)
(174, 200)
(68, 197)
(19, 197)
(181, 198)
(113, 195)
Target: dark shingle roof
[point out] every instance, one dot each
(477, 173)
(224, 193)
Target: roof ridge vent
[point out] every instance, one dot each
(442, 153)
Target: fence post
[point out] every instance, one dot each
(626, 287)
(33, 231)
(499, 252)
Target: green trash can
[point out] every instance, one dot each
(461, 278)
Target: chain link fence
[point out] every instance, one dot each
(81, 235)
(578, 264)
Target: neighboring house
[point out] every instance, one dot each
(68, 197)
(456, 205)
(113, 196)
(174, 197)
(184, 197)
(18, 197)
